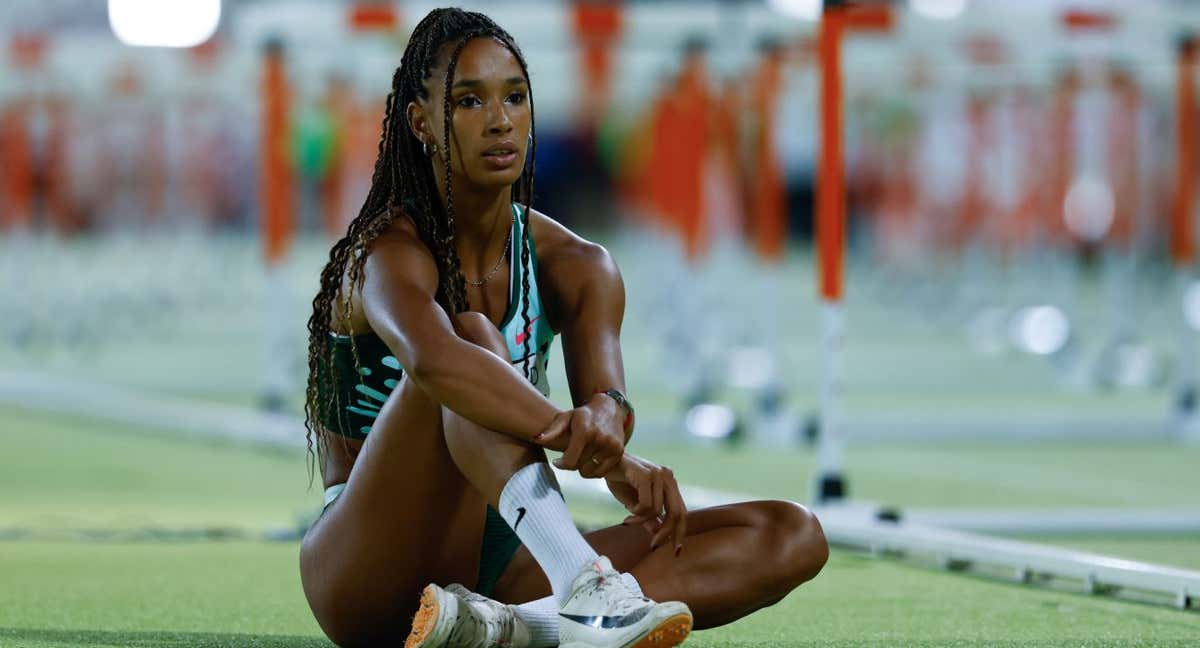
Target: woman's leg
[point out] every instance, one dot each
(408, 516)
(736, 559)
(515, 479)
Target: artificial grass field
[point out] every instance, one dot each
(57, 588)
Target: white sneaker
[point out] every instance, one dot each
(456, 617)
(603, 613)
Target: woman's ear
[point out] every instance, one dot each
(418, 123)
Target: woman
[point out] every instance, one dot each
(427, 402)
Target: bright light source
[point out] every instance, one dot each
(801, 9)
(1040, 329)
(164, 23)
(1088, 208)
(940, 9)
(711, 421)
(1191, 305)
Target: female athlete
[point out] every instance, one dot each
(427, 403)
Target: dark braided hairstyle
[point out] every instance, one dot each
(403, 183)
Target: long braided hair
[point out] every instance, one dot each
(403, 183)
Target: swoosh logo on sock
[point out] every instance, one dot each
(520, 516)
(608, 622)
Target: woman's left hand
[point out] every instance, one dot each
(649, 491)
(597, 440)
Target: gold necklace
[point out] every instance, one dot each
(496, 268)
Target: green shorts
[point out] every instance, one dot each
(499, 544)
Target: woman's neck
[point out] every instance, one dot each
(481, 219)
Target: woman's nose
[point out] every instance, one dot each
(499, 122)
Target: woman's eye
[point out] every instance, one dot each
(516, 97)
(468, 101)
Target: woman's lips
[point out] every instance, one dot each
(501, 160)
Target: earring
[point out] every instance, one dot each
(429, 151)
(529, 145)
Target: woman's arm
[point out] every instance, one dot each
(398, 299)
(588, 308)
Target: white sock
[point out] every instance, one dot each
(533, 506)
(542, 616)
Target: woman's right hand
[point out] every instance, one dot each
(588, 445)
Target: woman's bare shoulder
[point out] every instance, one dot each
(556, 244)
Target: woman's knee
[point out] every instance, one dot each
(477, 329)
(795, 537)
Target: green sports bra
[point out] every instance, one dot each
(361, 391)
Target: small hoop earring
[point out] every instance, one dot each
(429, 151)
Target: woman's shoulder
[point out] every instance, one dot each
(571, 267)
(556, 244)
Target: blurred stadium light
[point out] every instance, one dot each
(164, 23)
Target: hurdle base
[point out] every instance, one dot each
(831, 489)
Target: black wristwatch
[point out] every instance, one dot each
(616, 395)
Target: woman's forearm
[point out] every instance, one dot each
(485, 389)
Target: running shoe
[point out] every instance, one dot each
(603, 612)
(456, 617)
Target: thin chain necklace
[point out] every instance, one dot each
(495, 268)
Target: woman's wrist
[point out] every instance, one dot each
(623, 406)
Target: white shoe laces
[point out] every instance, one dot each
(611, 588)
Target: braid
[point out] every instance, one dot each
(402, 183)
(524, 191)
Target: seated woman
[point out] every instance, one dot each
(427, 403)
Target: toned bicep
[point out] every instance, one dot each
(398, 300)
(592, 311)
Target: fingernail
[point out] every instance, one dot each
(538, 436)
(678, 550)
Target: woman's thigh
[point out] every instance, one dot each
(625, 546)
(407, 517)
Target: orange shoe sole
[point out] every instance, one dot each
(668, 634)
(425, 620)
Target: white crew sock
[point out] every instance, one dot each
(541, 616)
(533, 506)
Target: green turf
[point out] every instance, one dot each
(67, 472)
(61, 472)
(248, 594)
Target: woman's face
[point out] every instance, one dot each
(489, 99)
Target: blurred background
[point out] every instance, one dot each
(993, 329)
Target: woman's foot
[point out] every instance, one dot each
(456, 617)
(603, 612)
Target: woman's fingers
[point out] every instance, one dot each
(600, 455)
(677, 511)
(575, 448)
(645, 506)
(657, 489)
(607, 466)
(557, 428)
